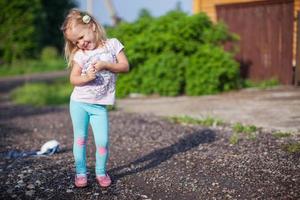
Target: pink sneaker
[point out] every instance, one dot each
(80, 181)
(104, 181)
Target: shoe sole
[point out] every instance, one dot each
(80, 185)
(104, 186)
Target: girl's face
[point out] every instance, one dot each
(83, 36)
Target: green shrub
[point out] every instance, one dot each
(163, 74)
(240, 128)
(19, 34)
(176, 54)
(280, 134)
(234, 138)
(247, 130)
(127, 83)
(32, 66)
(211, 70)
(261, 84)
(49, 53)
(30, 93)
(41, 94)
(207, 121)
(293, 147)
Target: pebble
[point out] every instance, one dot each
(38, 182)
(30, 186)
(30, 193)
(171, 167)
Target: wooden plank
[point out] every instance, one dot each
(209, 7)
(266, 40)
(233, 1)
(297, 69)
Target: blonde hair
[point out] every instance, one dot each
(76, 17)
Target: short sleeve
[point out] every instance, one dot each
(78, 58)
(116, 45)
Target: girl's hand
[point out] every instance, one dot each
(91, 73)
(100, 65)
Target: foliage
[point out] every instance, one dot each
(261, 84)
(32, 66)
(208, 121)
(18, 33)
(49, 53)
(41, 94)
(293, 147)
(53, 13)
(175, 54)
(240, 128)
(280, 134)
(28, 26)
(162, 74)
(234, 138)
(248, 130)
(211, 70)
(144, 13)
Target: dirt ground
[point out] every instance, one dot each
(150, 158)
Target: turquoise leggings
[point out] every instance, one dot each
(82, 114)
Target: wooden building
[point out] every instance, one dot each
(268, 33)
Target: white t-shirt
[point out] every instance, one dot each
(102, 89)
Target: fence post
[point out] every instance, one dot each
(297, 69)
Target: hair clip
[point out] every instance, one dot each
(86, 19)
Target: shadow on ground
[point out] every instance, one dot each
(158, 156)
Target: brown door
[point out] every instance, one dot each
(266, 37)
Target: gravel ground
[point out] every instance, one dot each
(150, 158)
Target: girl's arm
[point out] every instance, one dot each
(121, 66)
(77, 79)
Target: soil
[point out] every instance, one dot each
(150, 158)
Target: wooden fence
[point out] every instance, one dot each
(266, 38)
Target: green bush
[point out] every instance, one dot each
(28, 26)
(211, 70)
(28, 94)
(127, 83)
(32, 66)
(176, 54)
(261, 84)
(42, 94)
(49, 53)
(163, 74)
(19, 35)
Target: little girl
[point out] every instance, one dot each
(93, 60)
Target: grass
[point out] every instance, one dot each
(234, 138)
(32, 66)
(247, 130)
(208, 121)
(262, 84)
(292, 147)
(42, 94)
(238, 128)
(280, 134)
